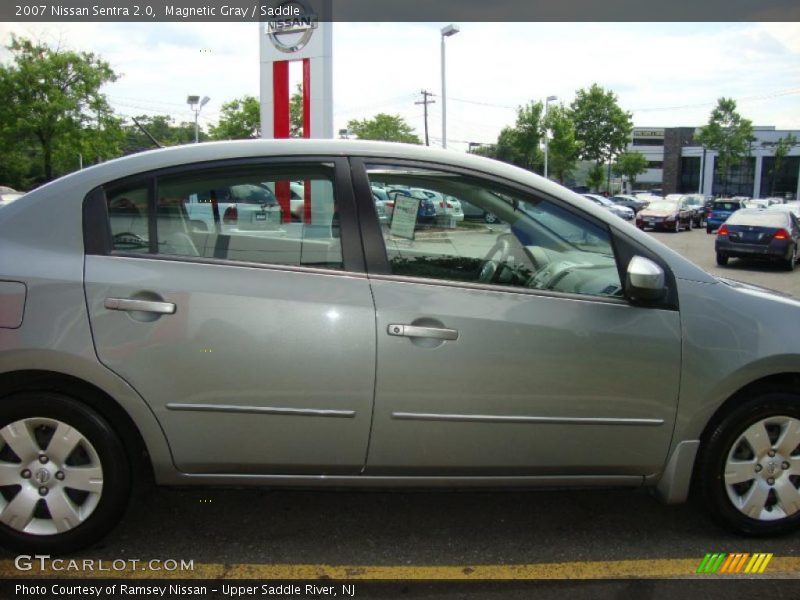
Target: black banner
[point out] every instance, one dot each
(152, 11)
(175, 589)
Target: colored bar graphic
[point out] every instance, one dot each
(735, 563)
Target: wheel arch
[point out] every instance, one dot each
(777, 382)
(96, 399)
(679, 475)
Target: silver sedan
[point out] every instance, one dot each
(555, 345)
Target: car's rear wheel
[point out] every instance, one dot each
(749, 468)
(722, 259)
(709, 230)
(792, 260)
(64, 475)
(490, 218)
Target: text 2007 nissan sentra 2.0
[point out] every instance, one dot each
(556, 346)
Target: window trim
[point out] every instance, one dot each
(97, 226)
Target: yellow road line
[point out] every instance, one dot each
(612, 569)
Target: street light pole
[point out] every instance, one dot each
(196, 105)
(446, 32)
(547, 130)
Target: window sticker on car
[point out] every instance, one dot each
(404, 221)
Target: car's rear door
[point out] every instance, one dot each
(254, 346)
(507, 348)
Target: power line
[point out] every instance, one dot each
(704, 104)
(425, 103)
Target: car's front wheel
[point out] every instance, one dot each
(749, 469)
(64, 474)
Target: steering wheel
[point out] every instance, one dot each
(495, 260)
(127, 240)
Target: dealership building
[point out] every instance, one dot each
(678, 164)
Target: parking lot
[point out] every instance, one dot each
(445, 535)
(698, 246)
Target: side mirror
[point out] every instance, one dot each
(645, 280)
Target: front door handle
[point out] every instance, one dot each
(132, 305)
(413, 331)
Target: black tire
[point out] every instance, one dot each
(709, 230)
(722, 260)
(490, 218)
(791, 261)
(718, 443)
(110, 453)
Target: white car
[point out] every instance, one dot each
(623, 212)
(792, 207)
(9, 197)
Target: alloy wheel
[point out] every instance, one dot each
(51, 477)
(762, 470)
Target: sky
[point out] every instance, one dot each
(665, 74)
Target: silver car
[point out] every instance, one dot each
(558, 347)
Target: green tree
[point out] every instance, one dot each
(563, 149)
(296, 113)
(729, 135)
(51, 98)
(520, 144)
(389, 128)
(163, 128)
(782, 148)
(240, 120)
(631, 165)
(596, 177)
(602, 128)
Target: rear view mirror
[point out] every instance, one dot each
(645, 280)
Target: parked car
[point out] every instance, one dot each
(666, 214)
(240, 207)
(759, 234)
(473, 212)
(322, 354)
(756, 203)
(696, 202)
(720, 211)
(622, 212)
(632, 202)
(792, 207)
(426, 211)
(445, 208)
(10, 196)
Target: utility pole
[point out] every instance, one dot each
(425, 103)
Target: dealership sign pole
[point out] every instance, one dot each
(298, 32)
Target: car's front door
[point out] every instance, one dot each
(254, 344)
(507, 348)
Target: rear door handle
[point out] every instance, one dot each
(131, 305)
(414, 331)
